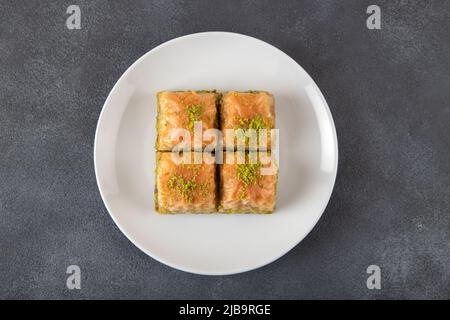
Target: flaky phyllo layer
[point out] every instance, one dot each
(180, 110)
(241, 181)
(185, 187)
(248, 187)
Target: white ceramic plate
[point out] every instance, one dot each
(215, 244)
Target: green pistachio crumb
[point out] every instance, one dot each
(185, 187)
(256, 123)
(248, 173)
(242, 195)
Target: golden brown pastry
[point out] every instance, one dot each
(180, 109)
(248, 110)
(248, 187)
(183, 186)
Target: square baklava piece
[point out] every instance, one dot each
(247, 110)
(248, 182)
(184, 186)
(181, 110)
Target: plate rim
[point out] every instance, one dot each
(160, 259)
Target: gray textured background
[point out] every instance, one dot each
(388, 90)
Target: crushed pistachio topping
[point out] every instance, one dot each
(248, 173)
(186, 187)
(242, 195)
(256, 123)
(194, 111)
